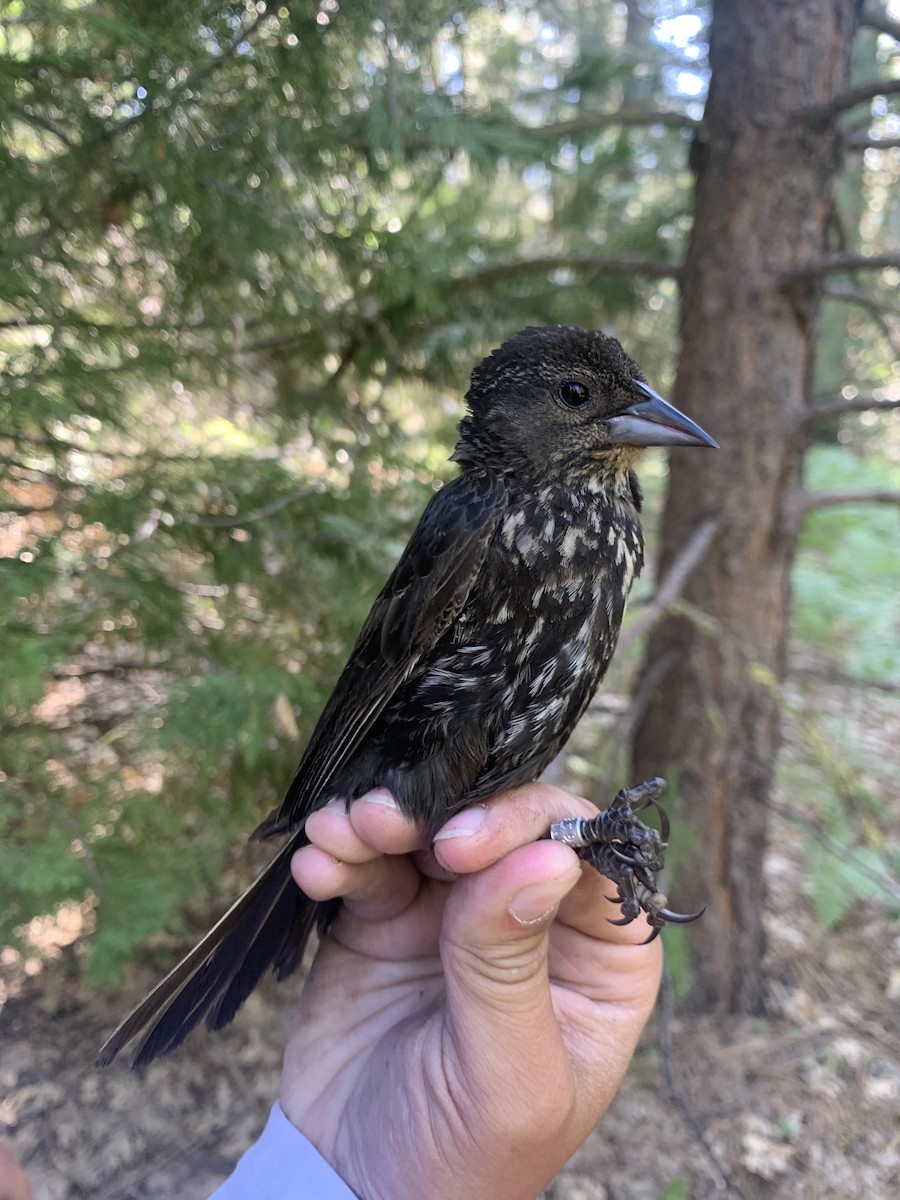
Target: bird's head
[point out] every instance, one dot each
(560, 401)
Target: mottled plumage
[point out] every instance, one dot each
(482, 650)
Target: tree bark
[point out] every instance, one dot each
(765, 172)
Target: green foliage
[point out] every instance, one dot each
(146, 892)
(676, 1189)
(839, 881)
(847, 576)
(678, 960)
(834, 795)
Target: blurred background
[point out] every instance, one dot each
(249, 254)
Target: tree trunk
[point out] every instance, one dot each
(765, 171)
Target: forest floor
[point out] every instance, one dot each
(803, 1102)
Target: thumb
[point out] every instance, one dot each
(494, 946)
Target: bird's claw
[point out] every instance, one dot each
(627, 852)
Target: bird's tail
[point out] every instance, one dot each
(267, 926)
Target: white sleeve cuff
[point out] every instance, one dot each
(282, 1165)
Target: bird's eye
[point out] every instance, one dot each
(573, 394)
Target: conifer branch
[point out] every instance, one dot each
(201, 72)
(116, 670)
(447, 136)
(591, 122)
(27, 510)
(42, 122)
(484, 277)
(257, 514)
(648, 268)
(55, 444)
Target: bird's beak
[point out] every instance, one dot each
(654, 422)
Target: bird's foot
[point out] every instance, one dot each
(627, 852)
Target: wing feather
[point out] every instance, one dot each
(269, 924)
(423, 596)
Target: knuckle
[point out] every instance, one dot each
(500, 970)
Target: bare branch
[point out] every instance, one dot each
(723, 1181)
(648, 268)
(834, 263)
(865, 141)
(843, 853)
(877, 18)
(878, 309)
(852, 295)
(837, 408)
(810, 501)
(859, 94)
(671, 587)
(845, 679)
(654, 673)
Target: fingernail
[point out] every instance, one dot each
(537, 901)
(464, 824)
(338, 804)
(379, 796)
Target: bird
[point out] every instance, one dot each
(478, 656)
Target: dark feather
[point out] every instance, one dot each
(223, 969)
(421, 598)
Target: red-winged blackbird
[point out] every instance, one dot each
(481, 652)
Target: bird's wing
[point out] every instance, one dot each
(269, 924)
(420, 600)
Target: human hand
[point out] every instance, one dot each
(459, 1037)
(13, 1181)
